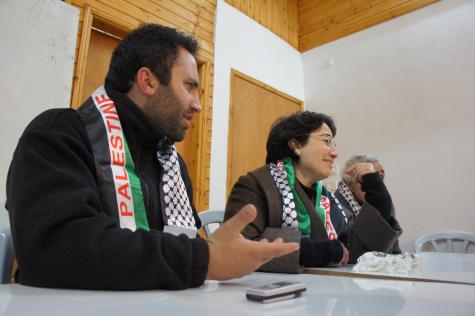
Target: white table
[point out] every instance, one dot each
(326, 295)
(434, 266)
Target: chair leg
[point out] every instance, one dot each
(465, 246)
(436, 247)
(450, 245)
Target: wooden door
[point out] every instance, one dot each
(103, 40)
(255, 106)
(101, 46)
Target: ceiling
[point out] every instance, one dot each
(306, 24)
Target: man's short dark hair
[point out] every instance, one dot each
(151, 45)
(296, 126)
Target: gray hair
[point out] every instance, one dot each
(353, 161)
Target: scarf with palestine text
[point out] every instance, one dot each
(118, 182)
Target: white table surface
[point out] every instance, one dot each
(434, 266)
(325, 295)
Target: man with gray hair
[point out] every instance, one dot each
(362, 184)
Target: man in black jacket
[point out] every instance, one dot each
(98, 198)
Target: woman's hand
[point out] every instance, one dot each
(344, 258)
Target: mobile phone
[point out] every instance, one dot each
(275, 291)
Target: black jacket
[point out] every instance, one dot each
(64, 237)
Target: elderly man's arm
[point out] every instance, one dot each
(377, 194)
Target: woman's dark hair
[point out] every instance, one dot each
(151, 45)
(296, 126)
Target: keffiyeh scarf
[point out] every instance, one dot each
(178, 209)
(119, 185)
(348, 196)
(294, 213)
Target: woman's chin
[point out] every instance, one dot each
(323, 176)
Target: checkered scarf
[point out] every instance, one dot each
(289, 214)
(348, 196)
(289, 205)
(178, 209)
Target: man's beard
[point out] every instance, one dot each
(165, 112)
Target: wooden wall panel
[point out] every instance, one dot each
(306, 24)
(327, 20)
(279, 16)
(195, 17)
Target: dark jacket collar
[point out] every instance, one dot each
(137, 127)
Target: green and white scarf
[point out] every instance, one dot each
(294, 212)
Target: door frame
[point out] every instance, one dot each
(110, 19)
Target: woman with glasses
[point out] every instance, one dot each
(293, 204)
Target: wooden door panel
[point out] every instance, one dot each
(99, 53)
(254, 108)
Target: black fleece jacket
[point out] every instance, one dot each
(64, 237)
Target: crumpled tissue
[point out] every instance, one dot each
(376, 261)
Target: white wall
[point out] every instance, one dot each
(38, 40)
(244, 45)
(405, 90)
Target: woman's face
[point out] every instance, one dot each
(317, 155)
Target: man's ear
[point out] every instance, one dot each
(295, 146)
(147, 82)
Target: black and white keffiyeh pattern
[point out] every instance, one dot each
(348, 196)
(177, 204)
(289, 214)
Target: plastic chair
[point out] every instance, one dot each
(211, 217)
(7, 255)
(436, 240)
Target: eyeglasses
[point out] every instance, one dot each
(327, 140)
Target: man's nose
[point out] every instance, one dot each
(195, 103)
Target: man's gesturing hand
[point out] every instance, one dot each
(232, 256)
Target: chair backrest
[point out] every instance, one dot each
(7, 255)
(211, 217)
(445, 242)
